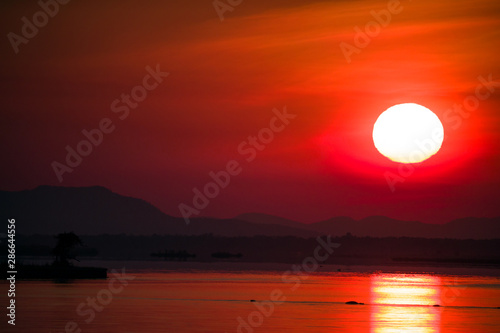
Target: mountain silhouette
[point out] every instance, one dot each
(382, 226)
(97, 210)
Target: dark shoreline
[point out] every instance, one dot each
(50, 272)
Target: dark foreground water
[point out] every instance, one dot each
(190, 299)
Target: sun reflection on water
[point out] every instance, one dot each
(404, 303)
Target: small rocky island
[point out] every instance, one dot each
(62, 268)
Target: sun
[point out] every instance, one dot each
(408, 133)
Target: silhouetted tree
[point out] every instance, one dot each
(63, 251)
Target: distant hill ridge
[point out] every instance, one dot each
(97, 210)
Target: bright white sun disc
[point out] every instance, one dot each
(408, 133)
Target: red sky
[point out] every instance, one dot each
(226, 77)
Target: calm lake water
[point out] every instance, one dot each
(217, 300)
